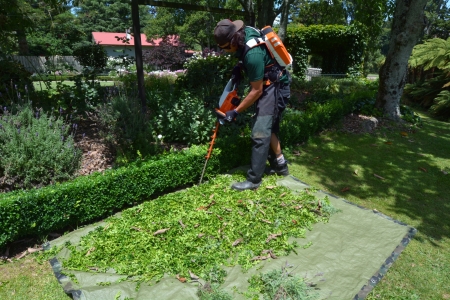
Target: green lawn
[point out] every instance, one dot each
(415, 167)
(39, 85)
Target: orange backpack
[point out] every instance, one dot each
(273, 43)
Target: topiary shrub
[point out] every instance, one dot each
(92, 57)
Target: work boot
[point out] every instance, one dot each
(245, 185)
(276, 168)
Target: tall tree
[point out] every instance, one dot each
(106, 16)
(195, 28)
(437, 24)
(324, 12)
(16, 17)
(57, 33)
(407, 27)
(284, 18)
(19, 17)
(265, 11)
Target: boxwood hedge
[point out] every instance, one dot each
(37, 212)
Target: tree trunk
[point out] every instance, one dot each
(266, 14)
(249, 8)
(22, 42)
(284, 19)
(407, 26)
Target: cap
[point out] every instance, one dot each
(225, 29)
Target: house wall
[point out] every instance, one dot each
(116, 51)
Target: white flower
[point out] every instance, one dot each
(159, 136)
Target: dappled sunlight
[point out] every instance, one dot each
(386, 171)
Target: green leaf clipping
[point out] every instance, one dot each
(205, 223)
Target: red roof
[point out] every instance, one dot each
(109, 39)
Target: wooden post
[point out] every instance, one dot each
(138, 53)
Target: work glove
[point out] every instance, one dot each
(231, 115)
(236, 75)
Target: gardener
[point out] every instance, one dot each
(269, 90)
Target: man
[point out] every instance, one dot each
(269, 90)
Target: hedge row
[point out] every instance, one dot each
(340, 47)
(297, 126)
(39, 211)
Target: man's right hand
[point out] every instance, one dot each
(230, 115)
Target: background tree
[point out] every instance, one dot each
(319, 12)
(19, 17)
(166, 56)
(195, 28)
(58, 33)
(16, 17)
(407, 27)
(106, 16)
(437, 24)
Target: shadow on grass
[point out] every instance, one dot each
(401, 173)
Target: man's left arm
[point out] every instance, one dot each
(253, 95)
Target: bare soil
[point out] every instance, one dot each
(98, 155)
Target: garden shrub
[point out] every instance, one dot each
(323, 89)
(184, 119)
(410, 116)
(123, 125)
(206, 76)
(83, 96)
(87, 198)
(166, 55)
(36, 148)
(92, 57)
(13, 80)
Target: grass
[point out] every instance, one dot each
(27, 280)
(415, 166)
(40, 85)
(415, 190)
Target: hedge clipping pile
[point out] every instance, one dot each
(195, 232)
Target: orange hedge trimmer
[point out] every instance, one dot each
(228, 101)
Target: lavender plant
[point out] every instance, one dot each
(36, 148)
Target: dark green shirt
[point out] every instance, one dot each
(256, 58)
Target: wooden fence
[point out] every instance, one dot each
(48, 64)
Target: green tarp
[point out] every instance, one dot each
(346, 258)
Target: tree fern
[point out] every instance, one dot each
(434, 53)
(441, 106)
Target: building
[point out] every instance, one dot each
(119, 43)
